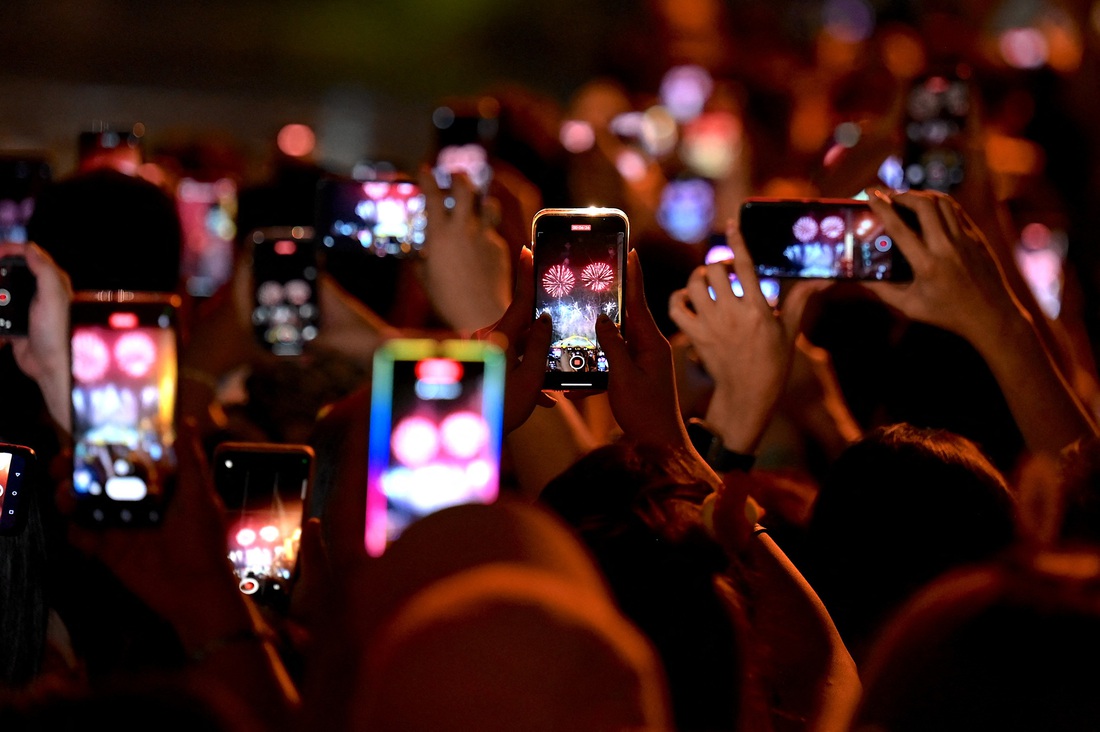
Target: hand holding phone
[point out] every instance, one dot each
(436, 426)
(465, 134)
(124, 373)
(580, 268)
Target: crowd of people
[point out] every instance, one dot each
(856, 506)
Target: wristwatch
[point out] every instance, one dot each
(708, 443)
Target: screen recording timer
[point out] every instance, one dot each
(579, 260)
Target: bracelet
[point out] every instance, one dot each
(245, 635)
(199, 377)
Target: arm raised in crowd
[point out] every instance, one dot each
(960, 286)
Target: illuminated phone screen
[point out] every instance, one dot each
(263, 488)
(820, 239)
(580, 258)
(15, 466)
(436, 425)
(936, 108)
(208, 214)
(124, 367)
(384, 218)
(286, 310)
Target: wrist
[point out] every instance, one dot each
(708, 442)
(740, 424)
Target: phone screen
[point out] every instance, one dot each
(436, 425)
(580, 259)
(285, 312)
(820, 239)
(124, 371)
(936, 108)
(17, 288)
(208, 214)
(465, 133)
(384, 218)
(21, 180)
(16, 463)
(263, 488)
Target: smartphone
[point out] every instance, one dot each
(436, 425)
(285, 268)
(686, 209)
(124, 374)
(580, 266)
(934, 124)
(263, 487)
(17, 288)
(838, 239)
(382, 217)
(22, 178)
(17, 463)
(208, 215)
(465, 135)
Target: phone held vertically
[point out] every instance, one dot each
(436, 428)
(385, 218)
(208, 215)
(17, 288)
(822, 238)
(17, 464)
(465, 136)
(285, 268)
(580, 266)
(934, 126)
(263, 486)
(124, 377)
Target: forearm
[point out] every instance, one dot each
(740, 419)
(232, 648)
(1045, 407)
(546, 444)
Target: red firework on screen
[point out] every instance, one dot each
(558, 281)
(598, 276)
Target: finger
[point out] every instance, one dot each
(949, 213)
(641, 327)
(907, 240)
(530, 374)
(518, 316)
(613, 345)
(718, 279)
(923, 204)
(464, 194)
(681, 313)
(745, 268)
(698, 292)
(434, 208)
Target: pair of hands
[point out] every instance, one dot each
(641, 385)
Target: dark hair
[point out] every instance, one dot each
(638, 512)
(898, 508)
(24, 609)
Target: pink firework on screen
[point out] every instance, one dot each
(805, 229)
(597, 276)
(558, 281)
(832, 227)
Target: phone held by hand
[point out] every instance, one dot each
(17, 288)
(824, 238)
(124, 374)
(385, 218)
(933, 127)
(580, 263)
(285, 269)
(17, 464)
(465, 135)
(263, 487)
(436, 427)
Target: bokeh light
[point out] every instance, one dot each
(296, 140)
(850, 21)
(577, 136)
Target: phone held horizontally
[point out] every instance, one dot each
(124, 375)
(580, 266)
(840, 239)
